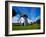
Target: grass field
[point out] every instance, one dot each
(34, 26)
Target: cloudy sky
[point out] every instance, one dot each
(33, 13)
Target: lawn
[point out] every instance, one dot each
(28, 27)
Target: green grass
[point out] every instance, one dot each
(33, 26)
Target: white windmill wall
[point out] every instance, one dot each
(21, 20)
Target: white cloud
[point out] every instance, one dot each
(29, 21)
(15, 19)
(38, 17)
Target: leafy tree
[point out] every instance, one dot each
(13, 13)
(38, 21)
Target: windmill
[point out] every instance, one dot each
(21, 15)
(25, 19)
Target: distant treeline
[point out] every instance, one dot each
(38, 22)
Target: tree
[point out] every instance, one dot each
(38, 21)
(13, 13)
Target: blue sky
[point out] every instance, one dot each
(31, 12)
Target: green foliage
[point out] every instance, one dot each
(28, 27)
